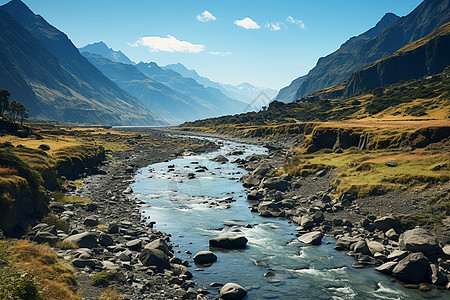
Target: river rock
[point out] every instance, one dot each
(311, 238)
(229, 242)
(105, 240)
(386, 268)
(275, 183)
(269, 209)
(113, 228)
(392, 234)
(360, 247)
(220, 159)
(344, 243)
(415, 268)
(232, 291)
(387, 223)
(154, 257)
(83, 240)
(437, 277)
(81, 263)
(375, 247)
(419, 240)
(397, 255)
(91, 221)
(306, 222)
(134, 245)
(205, 257)
(160, 244)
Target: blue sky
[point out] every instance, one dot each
(214, 44)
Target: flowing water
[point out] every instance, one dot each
(195, 210)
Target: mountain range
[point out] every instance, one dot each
(244, 92)
(102, 49)
(389, 35)
(41, 68)
(170, 95)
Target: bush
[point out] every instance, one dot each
(103, 278)
(51, 220)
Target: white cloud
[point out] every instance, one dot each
(220, 53)
(206, 16)
(274, 26)
(296, 22)
(247, 23)
(168, 44)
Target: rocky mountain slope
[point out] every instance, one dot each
(102, 49)
(44, 70)
(390, 34)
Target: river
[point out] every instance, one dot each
(214, 202)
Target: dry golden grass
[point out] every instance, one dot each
(110, 294)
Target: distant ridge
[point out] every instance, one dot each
(102, 49)
(42, 68)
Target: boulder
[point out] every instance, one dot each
(83, 240)
(361, 247)
(344, 243)
(387, 223)
(386, 268)
(269, 209)
(220, 159)
(45, 237)
(311, 238)
(318, 217)
(275, 183)
(397, 255)
(229, 242)
(419, 240)
(134, 245)
(205, 258)
(160, 244)
(91, 221)
(232, 291)
(105, 240)
(154, 257)
(306, 222)
(113, 228)
(375, 247)
(44, 147)
(392, 234)
(415, 268)
(81, 263)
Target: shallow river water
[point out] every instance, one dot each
(194, 210)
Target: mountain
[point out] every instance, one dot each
(358, 53)
(43, 69)
(208, 97)
(335, 67)
(174, 105)
(425, 57)
(244, 92)
(102, 49)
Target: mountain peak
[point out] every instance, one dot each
(102, 49)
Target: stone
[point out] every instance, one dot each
(90, 207)
(386, 268)
(344, 243)
(91, 221)
(113, 228)
(160, 244)
(437, 277)
(387, 223)
(311, 238)
(229, 242)
(392, 234)
(397, 255)
(105, 240)
(81, 263)
(134, 245)
(361, 247)
(275, 183)
(268, 209)
(205, 257)
(415, 268)
(419, 240)
(83, 240)
(154, 257)
(232, 291)
(446, 249)
(306, 222)
(220, 159)
(56, 207)
(45, 237)
(318, 217)
(44, 147)
(375, 247)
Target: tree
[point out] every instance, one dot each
(14, 109)
(22, 112)
(4, 97)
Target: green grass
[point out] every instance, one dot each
(60, 224)
(103, 278)
(63, 198)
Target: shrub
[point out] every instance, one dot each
(51, 220)
(103, 278)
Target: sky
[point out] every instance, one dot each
(266, 43)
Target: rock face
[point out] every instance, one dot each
(232, 291)
(205, 257)
(156, 258)
(229, 242)
(418, 240)
(415, 268)
(311, 238)
(83, 240)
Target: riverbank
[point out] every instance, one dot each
(377, 229)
